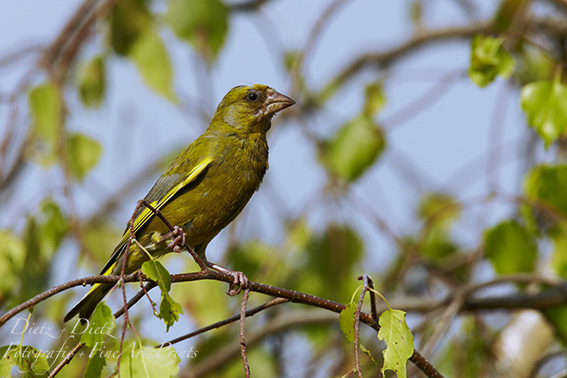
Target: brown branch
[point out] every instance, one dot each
(386, 58)
(251, 312)
(242, 337)
(357, 324)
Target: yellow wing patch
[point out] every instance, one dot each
(147, 213)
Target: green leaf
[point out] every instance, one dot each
(507, 13)
(202, 23)
(374, 98)
(354, 148)
(439, 208)
(488, 59)
(157, 272)
(45, 107)
(399, 340)
(557, 316)
(12, 259)
(6, 364)
(511, 248)
(151, 58)
(129, 19)
(332, 259)
(101, 323)
(558, 261)
(31, 362)
(84, 154)
(546, 183)
(169, 309)
(45, 110)
(149, 362)
(53, 227)
(545, 105)
(95, 365)
(346, 321)
(92, 82)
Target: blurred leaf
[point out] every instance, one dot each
(331, 258)
(545, 105)
(84, 153)
(207, 302)
(546, 183)
(436, 244)
(45, 107)
(354, 148)
(92, 82)
(439, 208)
(101, 323)
(374, 99)
(149, 362)
(510, 248)
(42, 235)
(557, 316)
(249, 256)
(53, 228)
(12, 258)
(558, 260)
(416, 13)
(506, 13)
(399, 340)
(291, 59)
(100, 238)
(346, 321)
(152, 60)
(466, 354)
(202, 23)
(31, 362)
(533, 65)
(488, 59)
(129, 19)
(45, 110)
(94, 366)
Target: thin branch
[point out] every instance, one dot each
(242, 337)
(66, 360)
(251, 312)
(357, 324)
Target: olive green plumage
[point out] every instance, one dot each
(205, 187)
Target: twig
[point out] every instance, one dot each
(140, 275)
(357, 324)
(251, 312)
(373, 310)
(66, 360)
(123, 283)
(242, 337)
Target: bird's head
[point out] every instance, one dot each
(250, 108)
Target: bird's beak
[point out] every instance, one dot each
(276, 102)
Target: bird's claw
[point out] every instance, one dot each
(240, 281)
(178, 242)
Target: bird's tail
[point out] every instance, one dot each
(87, 305)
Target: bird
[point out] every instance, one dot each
(205, 187)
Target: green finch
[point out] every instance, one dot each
(203, 189)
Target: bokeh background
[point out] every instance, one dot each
(393, 163)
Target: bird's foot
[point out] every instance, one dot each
(239, 282)
(178, 242)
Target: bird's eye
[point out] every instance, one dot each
(252, 96)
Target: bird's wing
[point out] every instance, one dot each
(145, 214)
